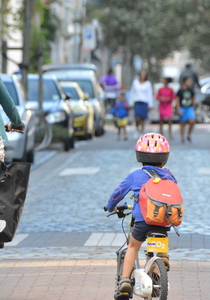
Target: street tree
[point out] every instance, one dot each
(153, 29)
(149, 28)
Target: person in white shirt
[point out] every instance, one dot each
(142, 98)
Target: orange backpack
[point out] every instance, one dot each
(161, 201)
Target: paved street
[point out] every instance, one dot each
(65, 246)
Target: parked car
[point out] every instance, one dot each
(89, 83)
(20, 146)
(83, 110)
(56, 107)
(76, 67)
(203, 106)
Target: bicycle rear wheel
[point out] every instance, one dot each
(159, 277)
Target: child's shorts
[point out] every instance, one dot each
(122, 122)
(140, 230)
(188, 113)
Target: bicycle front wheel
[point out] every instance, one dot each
(159, 277)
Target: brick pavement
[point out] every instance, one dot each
(90, 279)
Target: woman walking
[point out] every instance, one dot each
(186, 108)
(141, 96)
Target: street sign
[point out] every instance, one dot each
(89, 37)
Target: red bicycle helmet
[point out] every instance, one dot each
(152, 148)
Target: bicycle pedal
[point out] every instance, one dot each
(122, 296)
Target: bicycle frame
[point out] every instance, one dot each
(141, 278)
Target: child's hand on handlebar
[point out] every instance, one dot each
(17, 129)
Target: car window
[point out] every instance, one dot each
(12, 91)
(86, 86)
(72, 91)
(50, 90)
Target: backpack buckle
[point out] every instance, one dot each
(156, 211)
(168, 211)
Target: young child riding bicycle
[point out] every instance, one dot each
(152, 150)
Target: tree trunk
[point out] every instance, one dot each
(28, 13)
(126, 73)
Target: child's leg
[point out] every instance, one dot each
(191, 125)
(142, 122)
(182, 129)
(125, 132)
(170, 127)
(130, 256)
(161, 126)
(137, 120)
(118, 133)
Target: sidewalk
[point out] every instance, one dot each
(90, 280)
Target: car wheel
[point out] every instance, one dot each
(30, 156)
(66, 144)
(72, 142)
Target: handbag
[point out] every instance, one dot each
(14, 180)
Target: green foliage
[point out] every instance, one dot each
(38, 35)
(45, 32)
(6, 10)
(154, 28)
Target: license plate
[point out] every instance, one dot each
(157, 244)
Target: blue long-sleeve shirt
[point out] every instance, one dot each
(133, 182)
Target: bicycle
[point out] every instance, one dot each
(150, 282)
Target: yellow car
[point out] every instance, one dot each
(83, 109)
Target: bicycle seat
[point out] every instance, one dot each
(156, 234)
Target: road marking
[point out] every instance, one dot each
(204, 171)
(79, 171)
(17, 239)
(93, 239)
(105, 239)
(119, 240)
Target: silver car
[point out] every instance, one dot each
(20, 146)
(88, 81)
(56, 107)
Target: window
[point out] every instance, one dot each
(50, 90)
(72, 91)
(86, 86)
(12, 91)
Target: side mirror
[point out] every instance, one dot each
(86, 97)
(68, 96)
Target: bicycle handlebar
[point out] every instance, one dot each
(120, 210)
(19, 130)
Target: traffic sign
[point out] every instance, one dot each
(89, 37)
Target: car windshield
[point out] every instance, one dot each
(12, 91)
(50, 90)
(86, 86)
(72, 91)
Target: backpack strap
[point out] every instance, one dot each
(152, 173)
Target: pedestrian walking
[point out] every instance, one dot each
(188, 72)
(120, 111)
(166, 96)
(141, 97)
(186, 108)
(111, 88)
(12, 113)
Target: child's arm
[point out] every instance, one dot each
(193, 100)
(178, 105)
(120, 192)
